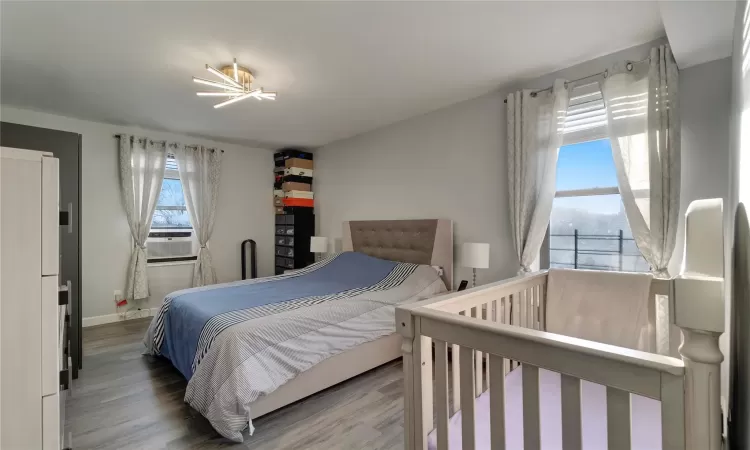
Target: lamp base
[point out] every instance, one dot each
(474, 278)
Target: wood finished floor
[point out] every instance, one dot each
(124, 400)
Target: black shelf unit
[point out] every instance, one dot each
(292, 239)
(294, 225)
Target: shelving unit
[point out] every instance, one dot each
(293, 202)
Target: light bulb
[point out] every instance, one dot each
(238, 98)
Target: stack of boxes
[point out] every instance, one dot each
(294, 206)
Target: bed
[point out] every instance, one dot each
(501, 381)
(250, 347)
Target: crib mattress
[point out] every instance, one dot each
(645, 417)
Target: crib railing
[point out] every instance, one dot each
(520, 302)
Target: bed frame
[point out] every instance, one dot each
(427, 241)
(490, 328)
(418, 241)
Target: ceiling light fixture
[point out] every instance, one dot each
(236, 82)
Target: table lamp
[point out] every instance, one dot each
(476, 256)
(318, 244)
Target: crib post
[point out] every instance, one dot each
(699, 313)
(700, 352)
(417, 360)
(405, 326)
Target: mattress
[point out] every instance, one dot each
(645, 417)
(236, 342)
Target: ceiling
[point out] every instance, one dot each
(340, 68)
(699, 31)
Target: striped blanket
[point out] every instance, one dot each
(236, 342)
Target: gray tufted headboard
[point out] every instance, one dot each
(420, 241)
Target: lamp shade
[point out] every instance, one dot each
(475, 255)
(319, 244)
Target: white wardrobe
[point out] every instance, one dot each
(31, 329)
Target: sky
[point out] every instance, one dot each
(587, 165)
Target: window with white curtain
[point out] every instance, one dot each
(588, 228)
(171, 238)
(171, 211)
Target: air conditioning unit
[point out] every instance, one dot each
(169, 244)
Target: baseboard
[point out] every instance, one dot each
(111, 318)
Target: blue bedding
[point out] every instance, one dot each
(189, 311)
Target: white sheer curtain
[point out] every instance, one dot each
(200, 173)
(644, 128)
(142, 163)
(535, 127)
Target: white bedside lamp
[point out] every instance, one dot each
(476, 256)
(318, 244)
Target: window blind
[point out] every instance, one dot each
(171, 163)
(587, 116)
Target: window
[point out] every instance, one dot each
(171, 238)
(171, 211)
(588, 228)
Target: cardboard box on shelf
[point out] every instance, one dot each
(299, 163)
(298, 172)
(306, 202)
(282, 155)
(294, 186)
(298, 194)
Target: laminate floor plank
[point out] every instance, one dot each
(125, 400)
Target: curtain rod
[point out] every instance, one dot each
(117, 136)
(628, 66)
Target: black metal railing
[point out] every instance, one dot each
(616, 248)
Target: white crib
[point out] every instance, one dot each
(488, 330)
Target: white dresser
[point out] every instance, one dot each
(31, 329)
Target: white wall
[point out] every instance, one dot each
(742, 98)
(244, 211)
(443, 165)
(705, 92)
